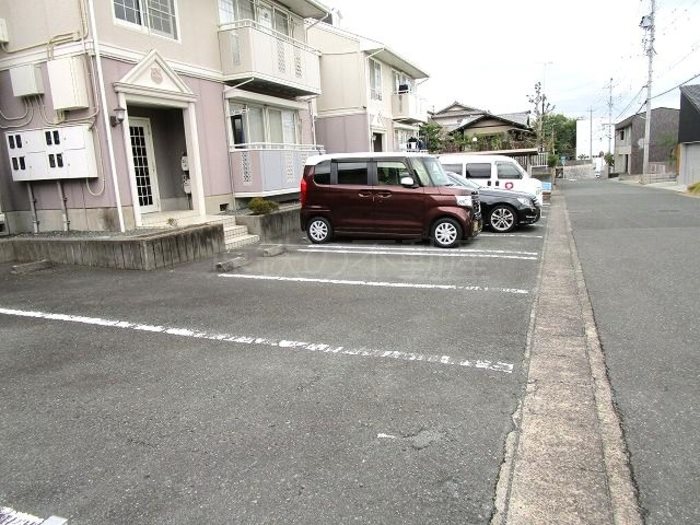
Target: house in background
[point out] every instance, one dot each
(505, 131)
(369, 99)
(629, 142)
(120, 114)
(689, 135)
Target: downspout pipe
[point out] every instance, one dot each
(32, 205)
(105, 116)
(64, 209)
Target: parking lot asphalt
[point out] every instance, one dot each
(368, 382)
(639, 251)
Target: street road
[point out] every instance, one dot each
(639, 249)
(356, 382)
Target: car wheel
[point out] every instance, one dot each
(319, 230)
(503, 219)
(446, 233)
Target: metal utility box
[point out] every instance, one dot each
(68, 83)
(26, 81)
(51, 154)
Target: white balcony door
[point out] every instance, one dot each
(144, 164)
(265, 15)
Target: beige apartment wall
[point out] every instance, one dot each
(328, 42)
(197, 43)
(35, 22)
(343, 84)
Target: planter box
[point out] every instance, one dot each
(139, 252)
(273, 226)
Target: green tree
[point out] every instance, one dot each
(432, 135)
(560, 134)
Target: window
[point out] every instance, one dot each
(622, 134)
(389, 173)
(227, 13)
(478, 171)
(508, 171)
(352, 173)
(282, 22)
(402, 83)
(375, 80)
(322, 172)
(454, 168)
(262, 125)
(156, 15)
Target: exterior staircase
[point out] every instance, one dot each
(235, 236)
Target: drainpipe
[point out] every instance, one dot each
(32, 205)
(64, 209)
(105, 116)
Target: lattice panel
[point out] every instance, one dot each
(281, 57)
(141, 167)
(246, 169)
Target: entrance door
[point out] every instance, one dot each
(144, 164)
(377, 142)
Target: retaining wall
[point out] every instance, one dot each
(147, 252)
(273, 226)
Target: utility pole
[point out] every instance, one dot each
(590, 151)
(610, 108)
(649, 24)
(610, 124)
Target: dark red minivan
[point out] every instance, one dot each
(390, 195)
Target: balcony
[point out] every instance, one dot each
(408, 107)
(264, 169)
(276, 63)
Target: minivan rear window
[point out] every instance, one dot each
(322, 172)
(353, 173)
(478, 170)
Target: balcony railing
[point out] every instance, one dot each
(273, 60)
(262, 168)
(408, 106)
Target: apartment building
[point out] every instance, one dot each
(118, 114)
(370, 99)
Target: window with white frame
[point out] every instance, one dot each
(402, 83)
(375, 80)
(263, 125)
(263, 13)
(158, 16)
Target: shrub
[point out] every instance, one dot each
(694, 188)
(260, 206)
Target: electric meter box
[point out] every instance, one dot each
(67, 83)
(26, 81)
(4, 35)
(67, 152)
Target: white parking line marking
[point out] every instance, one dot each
(495, 366)
(377, 284)
(523, 235)
(371, 247)
(10, 516)
(417, 253)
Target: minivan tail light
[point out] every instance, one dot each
(302, 189)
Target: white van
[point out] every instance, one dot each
(494, 171)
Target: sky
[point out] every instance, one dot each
(490, 53)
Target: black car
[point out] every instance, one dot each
(502, 210)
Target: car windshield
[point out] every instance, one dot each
(429, 167)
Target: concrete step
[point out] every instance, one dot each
(241, 240)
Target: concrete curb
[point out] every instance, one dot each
(623, 492)
(565, 461)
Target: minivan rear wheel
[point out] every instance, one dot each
(319, 230)
(446, 233)
(503, 219)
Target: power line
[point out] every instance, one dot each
(631, 102)
(676, 86)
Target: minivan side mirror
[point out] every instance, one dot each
(407, 182)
